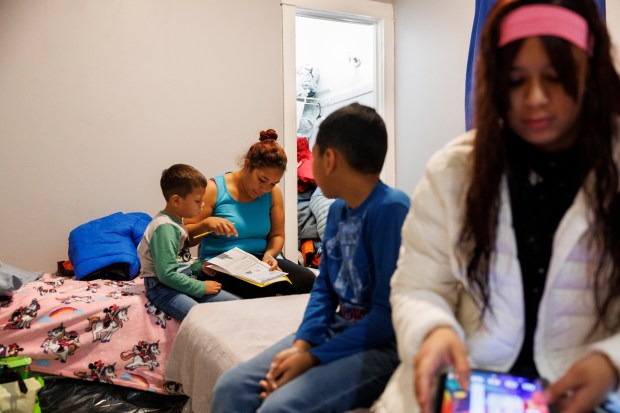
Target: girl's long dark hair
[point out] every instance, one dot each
(596, 138)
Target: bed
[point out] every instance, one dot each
(101, 331)
(216, 336)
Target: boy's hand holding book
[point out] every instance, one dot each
(208, 270)
(212, 287)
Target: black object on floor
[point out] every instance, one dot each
(67, 395)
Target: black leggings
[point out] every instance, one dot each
(302, 280)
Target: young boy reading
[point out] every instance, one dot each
(344, 351)
(171, 275)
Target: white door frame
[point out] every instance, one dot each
(357, 10)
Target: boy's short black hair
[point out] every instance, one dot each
(359, 133)
(181, 179)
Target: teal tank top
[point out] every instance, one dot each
(252, 221)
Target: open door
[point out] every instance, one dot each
(372, 22)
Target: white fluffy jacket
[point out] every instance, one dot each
(430, 290)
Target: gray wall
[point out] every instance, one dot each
(98, 97)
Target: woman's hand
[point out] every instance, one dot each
(221, 226)
(585, 385)
(272, 262)
(212, 287)
(441, 348)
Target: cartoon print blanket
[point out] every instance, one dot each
(100, 330)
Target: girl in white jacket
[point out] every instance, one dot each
(510, 256)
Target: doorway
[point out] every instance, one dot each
(335, 66)
(315, 84)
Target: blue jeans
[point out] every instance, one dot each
(344, 384)
(175, 303)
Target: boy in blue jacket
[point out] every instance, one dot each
(344, 351)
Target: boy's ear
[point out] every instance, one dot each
(174, 199)
(330, 157)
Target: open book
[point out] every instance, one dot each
(246, 267)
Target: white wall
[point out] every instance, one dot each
(432, 42)
(98, 97)
(613, 25)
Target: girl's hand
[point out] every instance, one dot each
(585, 385)
(208, 271)
(272, 262)
(441, 348)
(221, 226)
(212, 287)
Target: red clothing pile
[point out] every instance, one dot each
(305, 178)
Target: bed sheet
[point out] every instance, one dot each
(216, 336)
(101, 330)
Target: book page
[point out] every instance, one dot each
(244, 265)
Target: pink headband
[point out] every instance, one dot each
(545, 20)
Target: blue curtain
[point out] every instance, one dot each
(482, 10)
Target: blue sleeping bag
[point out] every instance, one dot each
(107, 241)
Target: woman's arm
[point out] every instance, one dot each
(205, 221)
(275, 238)
(425, 287)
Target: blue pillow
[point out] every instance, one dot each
(107, 241)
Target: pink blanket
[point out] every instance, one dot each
(101, 330)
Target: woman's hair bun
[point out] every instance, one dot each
(268, 134)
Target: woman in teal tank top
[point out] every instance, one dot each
(245, 209)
